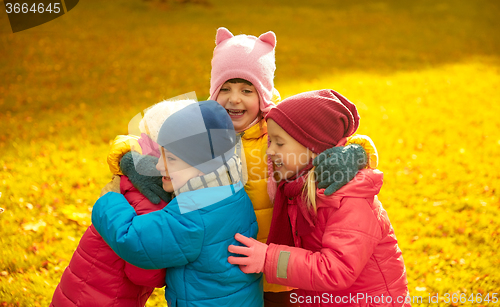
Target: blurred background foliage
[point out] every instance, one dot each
(424, 74)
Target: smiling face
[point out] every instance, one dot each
(241, 100)
(176, 173)
(288, 156)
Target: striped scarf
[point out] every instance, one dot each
(228, 174)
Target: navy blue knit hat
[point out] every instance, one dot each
(201, 134)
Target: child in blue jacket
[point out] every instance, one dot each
(191, 235)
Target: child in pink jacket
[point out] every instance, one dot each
(338, 250)
(96, 276)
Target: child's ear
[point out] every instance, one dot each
(222, 35)
(269, 37)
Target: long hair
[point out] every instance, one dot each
(309, 190)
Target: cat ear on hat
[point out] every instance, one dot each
(222, 35)
(269, 37)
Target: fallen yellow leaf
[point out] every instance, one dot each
(34, 226)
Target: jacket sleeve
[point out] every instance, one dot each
(148, 278)
(369, 147)
(120, 146)
(156, 240)
(350, 237)
(112, 186)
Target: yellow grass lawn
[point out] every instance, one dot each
(425, 76)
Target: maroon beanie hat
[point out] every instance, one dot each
(318, 119)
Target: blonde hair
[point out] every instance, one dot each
(309, 190)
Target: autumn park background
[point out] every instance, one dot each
(424, 74)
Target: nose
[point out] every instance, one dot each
(160, 166)
(234, 98)
(270, 152)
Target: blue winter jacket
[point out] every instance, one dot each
(190, 238)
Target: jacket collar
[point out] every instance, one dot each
(366, 184)
(256, 131)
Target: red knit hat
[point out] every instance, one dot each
(318, 119)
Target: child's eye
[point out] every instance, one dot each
(247, 91)
(170, 159)
(224, 89)
(276, 142)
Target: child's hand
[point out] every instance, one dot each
(150, 185)
(336, 166)
(255, 252)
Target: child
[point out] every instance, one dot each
(191, 235)
(96, 276)
(337, 250)
(242, 82)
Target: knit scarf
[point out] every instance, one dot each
(289, 192)
(228, 174)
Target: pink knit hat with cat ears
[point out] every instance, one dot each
(246, 57)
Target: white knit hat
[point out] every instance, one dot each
(156, 115)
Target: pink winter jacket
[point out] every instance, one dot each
(96, 276)
(351, 258)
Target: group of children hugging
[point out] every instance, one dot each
(241, 200)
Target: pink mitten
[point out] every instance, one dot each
(255, 252)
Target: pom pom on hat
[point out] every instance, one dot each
(246, 57)
(319, 120)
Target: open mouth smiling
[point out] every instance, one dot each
(278, 164)
(234, 112)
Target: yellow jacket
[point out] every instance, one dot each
(367, 143)
(254, 142)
